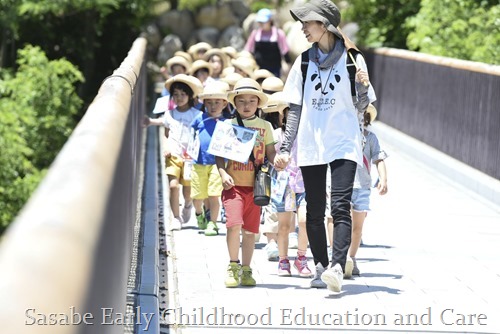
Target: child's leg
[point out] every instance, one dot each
(247, 247)
(214, 208)
(329, 228)
(284, 222)
(358, 219)
(198, 206)
(233, 242)
(174, 195)
(301, 215)
(186, 193)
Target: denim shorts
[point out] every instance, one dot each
(360, 199)
(300, 199)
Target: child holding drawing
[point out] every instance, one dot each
(243, 215)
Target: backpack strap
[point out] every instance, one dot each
(303, 67)
(351, 68)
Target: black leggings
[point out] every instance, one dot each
(343, 172)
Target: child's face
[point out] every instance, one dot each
(178, 69)
(201, 74)
(214, 107)
(180, 97)
(246, 104)
(216, 63)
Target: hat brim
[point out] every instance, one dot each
(274, 107)
(195, 87)
(305, 13)
(220, 96)
(372, 111)
(261, 95)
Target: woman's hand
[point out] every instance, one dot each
(362, 77)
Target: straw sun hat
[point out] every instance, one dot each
(199, 64)
(215, 90)
(248, 86)
(218, 52)
(275, 103)
(372, 111)
(189, 80)
(232, 78)
(247, 65)
(178, 60)
(272, 84)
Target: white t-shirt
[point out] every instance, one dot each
(179, 123)
(329, 127)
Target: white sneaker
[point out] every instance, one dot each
(272, 251)
(316, 281)
(293, 240)
(349, 265)
(333, 278)
(175, 224)
(186, 214)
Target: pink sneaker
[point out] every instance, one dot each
(300, 264)
(284, 268)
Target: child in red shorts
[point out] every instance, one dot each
(243, 216)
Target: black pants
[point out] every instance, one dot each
(343, 172)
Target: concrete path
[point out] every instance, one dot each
(430, 264)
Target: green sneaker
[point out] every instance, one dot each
(246, 277)
(233, 275)
(202, 222)
(212, 229)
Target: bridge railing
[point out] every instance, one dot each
(66, 257)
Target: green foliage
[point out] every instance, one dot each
(194, 5)
(37, 108)
(381, 22)
(464, 29)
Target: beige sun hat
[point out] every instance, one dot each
(195, 48)
(231, 78)
(262, 74)
(324, 11)
(246, 54)
(245, 64)
(199, 64)
(189, 80)
(230, 51)
(247, 86)
(178, 60)
(185, 55)
(372, 111)
(275, 103)
(215, 90)
(215, 51)
(226, 71)
(272, 84)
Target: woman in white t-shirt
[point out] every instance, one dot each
(324, 120)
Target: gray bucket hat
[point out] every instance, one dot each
(323, 11)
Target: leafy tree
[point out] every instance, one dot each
(37, 108)
(464, 29)
(381, 22)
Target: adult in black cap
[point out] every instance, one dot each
(324, 119)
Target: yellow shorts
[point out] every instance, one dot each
(174, 166)
(205, 182)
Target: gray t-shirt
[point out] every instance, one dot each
(371, 154)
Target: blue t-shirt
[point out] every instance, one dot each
(204, 125)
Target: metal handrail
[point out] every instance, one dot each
(68, 252)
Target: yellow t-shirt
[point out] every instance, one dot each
(243, 174)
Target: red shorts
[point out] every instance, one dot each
(240, 208)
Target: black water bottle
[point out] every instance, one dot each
(262, 186)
